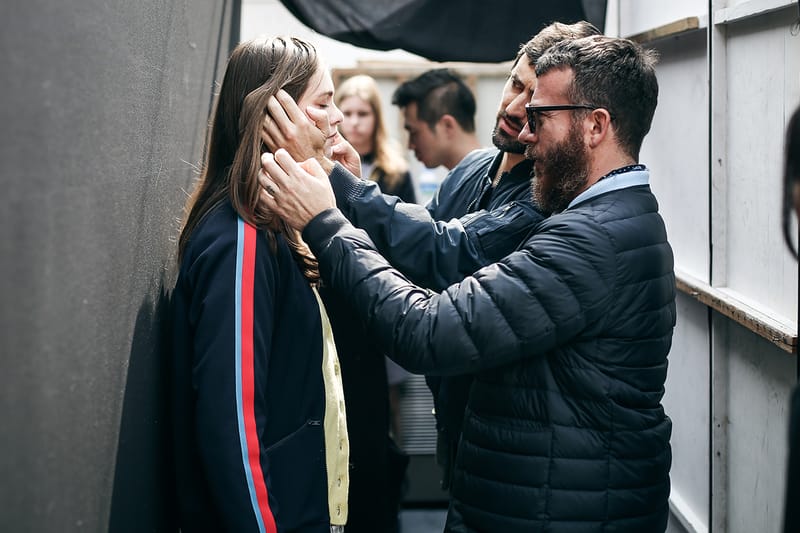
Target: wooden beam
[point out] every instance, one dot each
(672, 29)
(782, 334)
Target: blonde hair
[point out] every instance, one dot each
(388, 155)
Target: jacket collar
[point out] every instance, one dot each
(613, 182)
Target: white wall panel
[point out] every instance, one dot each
(636, 16)
(759, 67)
(676, 150)
(687, 402)
(756, 86)
(761, 377)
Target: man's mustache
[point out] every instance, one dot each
(511, 120)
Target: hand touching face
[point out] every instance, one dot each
(296, 192)
(317, 101)
(308, 127)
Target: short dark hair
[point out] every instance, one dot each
(551, 34)
(437, 93)
(616, 74)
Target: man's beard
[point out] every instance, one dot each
(563, 171)
(502, 140)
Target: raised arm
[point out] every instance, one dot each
(490, 319)
(432, 253)
(519, 308)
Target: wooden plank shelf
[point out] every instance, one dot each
(728, 15)
(725, 302)
(673, 29)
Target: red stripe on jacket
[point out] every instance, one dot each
(248, 378)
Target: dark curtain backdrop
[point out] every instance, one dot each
(103, 113)
(442, 30)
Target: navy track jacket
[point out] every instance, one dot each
(247, 388)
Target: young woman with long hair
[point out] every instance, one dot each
(260, 435)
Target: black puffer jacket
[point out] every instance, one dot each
(568, 339)
(438, 245)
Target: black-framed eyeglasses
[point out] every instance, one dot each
(531, 111)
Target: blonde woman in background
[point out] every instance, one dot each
(381, 159)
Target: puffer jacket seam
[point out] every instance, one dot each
(547, 489)
(468, 333)
(545, 308)
(608, 470)
(612, 423)
(499, 310)
(598, 322)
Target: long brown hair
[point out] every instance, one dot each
(388, 156)
(256, 70)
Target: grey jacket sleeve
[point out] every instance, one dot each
(431, 253)
(527, 304)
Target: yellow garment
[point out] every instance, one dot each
(337, 445)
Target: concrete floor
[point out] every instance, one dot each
(422, 520)
(432, 521)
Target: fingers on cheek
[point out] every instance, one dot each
(271, 169)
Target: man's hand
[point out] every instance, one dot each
(287, 126)
(294, 192)
(344, 153)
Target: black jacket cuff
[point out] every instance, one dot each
(319, 232)
(346, 186)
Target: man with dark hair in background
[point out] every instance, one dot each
(439, 116)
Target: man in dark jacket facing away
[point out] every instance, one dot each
(567, 337)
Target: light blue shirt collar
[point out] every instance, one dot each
(613, 183)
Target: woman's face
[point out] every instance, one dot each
(358, 125)
(319, 94)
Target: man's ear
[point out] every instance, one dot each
(598, 126)
(449, 124)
